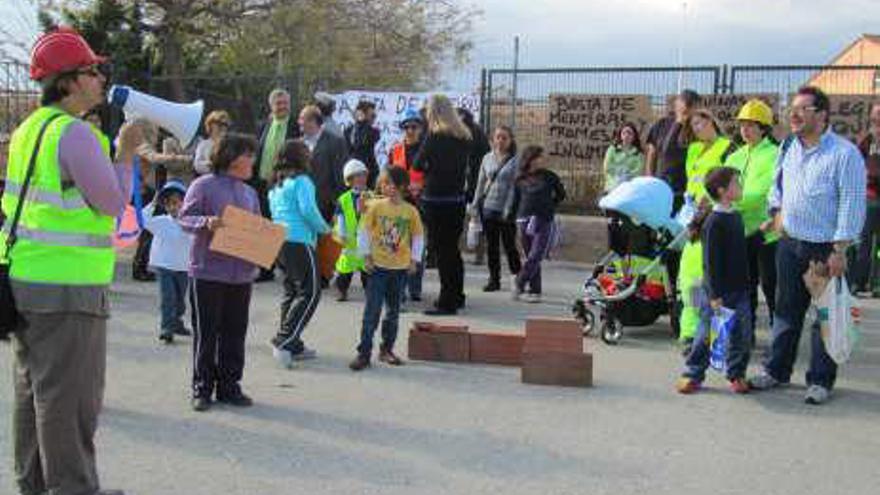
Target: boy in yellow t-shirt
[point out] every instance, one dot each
(391, 240)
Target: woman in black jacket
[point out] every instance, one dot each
(444, 161)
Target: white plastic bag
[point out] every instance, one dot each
(475, 228)
(836, 308)
(722, 323)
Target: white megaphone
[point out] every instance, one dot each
(180, 119)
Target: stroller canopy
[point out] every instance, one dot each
(646, 201)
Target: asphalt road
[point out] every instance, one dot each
(429, 428)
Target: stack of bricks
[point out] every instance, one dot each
(554, 354)
(452, 342)
(550, 353)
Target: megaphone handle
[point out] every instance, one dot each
(137, 197)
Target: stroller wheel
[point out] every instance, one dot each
(612, 332)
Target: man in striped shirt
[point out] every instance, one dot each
(819, 202)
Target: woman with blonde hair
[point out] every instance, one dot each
(444, 161)
(216, 125)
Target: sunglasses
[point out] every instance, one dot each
(93, 71)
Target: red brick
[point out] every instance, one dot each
(553, 335)
(439, 346)
(497, 348)
(444, 327)
(562, 369)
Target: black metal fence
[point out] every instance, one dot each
(521, 98)
(18, 96)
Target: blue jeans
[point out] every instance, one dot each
(172, 292)
(738, 347)
(384, 288)
(792, 302)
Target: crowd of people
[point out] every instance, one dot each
(765, 212)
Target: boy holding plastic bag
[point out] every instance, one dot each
(725, 287)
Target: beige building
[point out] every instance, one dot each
(863, 51)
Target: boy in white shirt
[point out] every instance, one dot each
(169, 258)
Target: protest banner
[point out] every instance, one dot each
(390, 107)
(581, 127)
(850, 115)
(249, 237)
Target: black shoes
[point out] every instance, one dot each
(492, 286)
(201, 404)
(237, 399)
(167, 338)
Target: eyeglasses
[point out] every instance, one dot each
(801, 110)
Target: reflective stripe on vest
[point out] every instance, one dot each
(349, 261)
(60, 239)
(74, 200)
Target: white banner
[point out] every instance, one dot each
(390, 108)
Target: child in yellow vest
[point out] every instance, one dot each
(350, 207)
(391, 240)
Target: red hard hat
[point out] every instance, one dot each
(60, 51)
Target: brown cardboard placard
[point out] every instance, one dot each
(249, 237)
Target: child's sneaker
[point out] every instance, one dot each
(533, 298)
(342, 296)
(361, 362)
(687, 385)
(282, 356)
(739, 386)
(388, 357)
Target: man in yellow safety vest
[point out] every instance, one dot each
(60, 265)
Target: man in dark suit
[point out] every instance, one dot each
(279, 127)
(329, 154)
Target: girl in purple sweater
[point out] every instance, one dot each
(220, 286)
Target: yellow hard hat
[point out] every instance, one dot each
(756, 110)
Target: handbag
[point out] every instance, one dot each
(10, 318)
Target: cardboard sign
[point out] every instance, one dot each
(726, 107)
(581, 127)
(249, 237)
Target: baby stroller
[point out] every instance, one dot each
(629, 286)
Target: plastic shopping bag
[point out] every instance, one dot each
(475, 228)
(838, 317)
(721, 325)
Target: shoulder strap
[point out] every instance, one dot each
(29, 173)
(783, 149)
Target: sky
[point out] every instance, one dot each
(556, 33)
(650, 32)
